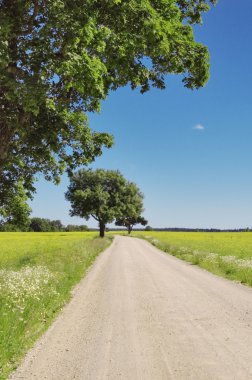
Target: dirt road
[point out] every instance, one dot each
(141, 314)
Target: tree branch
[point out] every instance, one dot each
(32, 19)
(95, 217)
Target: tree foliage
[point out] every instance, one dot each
(148, 228)
(60, 58)
(15, 210)
(133, 207)
(103, 194)
(131, 221)
(75, 228)
(45, 225)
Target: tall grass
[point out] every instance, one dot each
(228, 254)
(37, 273)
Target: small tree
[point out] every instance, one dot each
(133, 207)
(99, 193)
(129, 222)
(148, 228)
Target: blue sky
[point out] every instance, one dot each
(191, 177)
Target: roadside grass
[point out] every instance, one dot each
(37, 274)
(227, 254)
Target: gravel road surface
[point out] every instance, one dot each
(142, 314)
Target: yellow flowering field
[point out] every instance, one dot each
(228, 254)
(37, 273)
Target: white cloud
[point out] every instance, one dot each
(199, 127)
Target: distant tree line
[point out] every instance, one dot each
(46, 225)
(178, 229)
(40, 225)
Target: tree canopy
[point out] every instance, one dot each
(60, 58)
(133, 207)
(131, 221)
(45, 225)
(103, 194)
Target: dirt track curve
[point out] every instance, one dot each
(141, 314)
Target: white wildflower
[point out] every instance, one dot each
(29, 282)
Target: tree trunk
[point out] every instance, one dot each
(129, 229)
(102, 229)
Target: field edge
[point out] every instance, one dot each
(216, 265)
(103, 245)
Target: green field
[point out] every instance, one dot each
(228, 254)
(37, 273)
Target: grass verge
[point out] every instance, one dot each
(226, 254)
(37, 274)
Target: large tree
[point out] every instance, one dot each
(132, 208)
(60, 58)
(102, 194)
